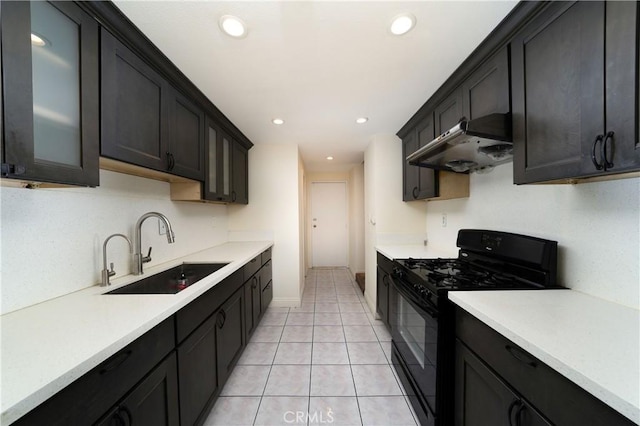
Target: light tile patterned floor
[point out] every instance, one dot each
(326, 362)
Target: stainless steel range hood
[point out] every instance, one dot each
(471, 145)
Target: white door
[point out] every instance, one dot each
(329, 224)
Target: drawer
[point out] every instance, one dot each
(267, 295)
(252, 267)
(265, 256)
(88, 398)
(561, 400)
(266, 273)
(194, 314)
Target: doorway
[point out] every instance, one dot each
(329, 230)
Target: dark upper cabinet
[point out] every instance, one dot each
(145, 121)
(240, 174)
(449, 112)
(50, 93)
(486, 91)
(187, 136)
(481, 398)
(154, 401)
(419, 183)
(574, 88)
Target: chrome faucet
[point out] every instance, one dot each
(106, 273)
(138, 258)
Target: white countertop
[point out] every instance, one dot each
(47, 346)
(416, 251)
(592, 342)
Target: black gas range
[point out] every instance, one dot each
(422, 319)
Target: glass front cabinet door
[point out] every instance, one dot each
(50, 89)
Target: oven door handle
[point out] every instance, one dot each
(432, 312)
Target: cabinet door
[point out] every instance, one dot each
(134, 108)
(154, 401)
(186, 148)
(229, 334)
(558, 91)
(487, 90)
(240, 177)
(198, 378)
(382, 299)
(213, 167)
(252, 303)
(267, 295)
(50, 93)
(226, 146)
(427, 178)
(621, 76)
(481, 398)
(449, 112)
(410, 174)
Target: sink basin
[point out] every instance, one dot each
(172, 280)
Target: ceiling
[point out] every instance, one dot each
(318, 65)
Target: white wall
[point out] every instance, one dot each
(273, 210)
(387, 218)
(356, 219)
(597, 226)
(52, 238)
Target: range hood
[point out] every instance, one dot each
(470, 146)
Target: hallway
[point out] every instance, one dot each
(326, 362)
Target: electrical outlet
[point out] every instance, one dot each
(162, 230)
(444, 220)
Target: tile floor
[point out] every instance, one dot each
(325, 362)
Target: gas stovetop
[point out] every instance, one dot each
(456, 274)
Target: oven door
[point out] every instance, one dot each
(414, 332)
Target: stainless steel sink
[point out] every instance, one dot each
(172, 280)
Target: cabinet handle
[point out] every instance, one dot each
(514, 404)
(593, 152)
(255, 282)
(415, 192)
(115, 363)
(222, 318)
(607, 164)
(384, 281)
(171, 160)
(126, 419)
(517, 354)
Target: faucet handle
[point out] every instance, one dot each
(147, 258)
(111, 272)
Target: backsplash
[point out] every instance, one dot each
(597, 226)
(51, 242)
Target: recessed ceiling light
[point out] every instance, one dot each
(233, 26)
(329, 158)
(277, 121)
(362, 120)
(38, 40)
(402, 24)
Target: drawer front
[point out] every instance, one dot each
(88, 398)
(266, 273)
(558, 398)
(252, 267)
(266, 256)
(192, 315)
(267, 296)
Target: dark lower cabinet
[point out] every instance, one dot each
(481, 398)
(575, 102)
(154, 401)
(499, 383)
(197, 372)
(383, 284)
(253, 303)
(230, 337)
(267, 295)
